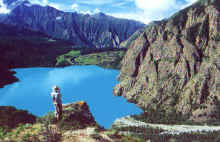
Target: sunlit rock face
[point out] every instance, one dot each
(174, 65)
(78, 112)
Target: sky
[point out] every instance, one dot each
(140, 10)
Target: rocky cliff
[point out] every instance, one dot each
(99, 30)
(78, 114)
(174, 65)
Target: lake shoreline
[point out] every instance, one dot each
(71, 80)
(112, 58)
(8, 77)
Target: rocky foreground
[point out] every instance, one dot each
(78, 125)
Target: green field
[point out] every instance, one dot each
(107, 59)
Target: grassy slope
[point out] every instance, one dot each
(107, 59)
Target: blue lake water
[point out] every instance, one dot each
(89, 83)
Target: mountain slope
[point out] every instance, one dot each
(174, 66)
(20, 47)
(97, 30)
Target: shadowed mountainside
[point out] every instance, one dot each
(99, 30)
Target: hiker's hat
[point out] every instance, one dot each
(55, 87)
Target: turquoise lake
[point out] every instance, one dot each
(88, 83)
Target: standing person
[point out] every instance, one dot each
(56, 96)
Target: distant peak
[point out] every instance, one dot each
(11, 4)
(99, 15)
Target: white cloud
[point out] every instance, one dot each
(59, 6)
(132, 16)
(45, 2)
(96, 11)
(191, 1)
(142, 16)
(95, 2)
(55, 5)
(155, 5)
(39, 2)
(75, 6)
(151, 10)
(188, 3)
(3, 8)
(156, 9)
(85, 12)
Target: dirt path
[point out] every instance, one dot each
(86, 135)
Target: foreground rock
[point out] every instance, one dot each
(76, 125)
(174, 66)
(78, 115)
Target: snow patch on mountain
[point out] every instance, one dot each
(59, 18)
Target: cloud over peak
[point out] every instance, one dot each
(154, 5)
(3, 8)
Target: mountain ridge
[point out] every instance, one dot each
(99, 30)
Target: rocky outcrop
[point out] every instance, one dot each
(134, 36)
(7, 77)
(174, 65)
(99, 30)
(78, 115)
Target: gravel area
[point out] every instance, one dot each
(166, 129)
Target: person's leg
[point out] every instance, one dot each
(60, 111)
(56, 111)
